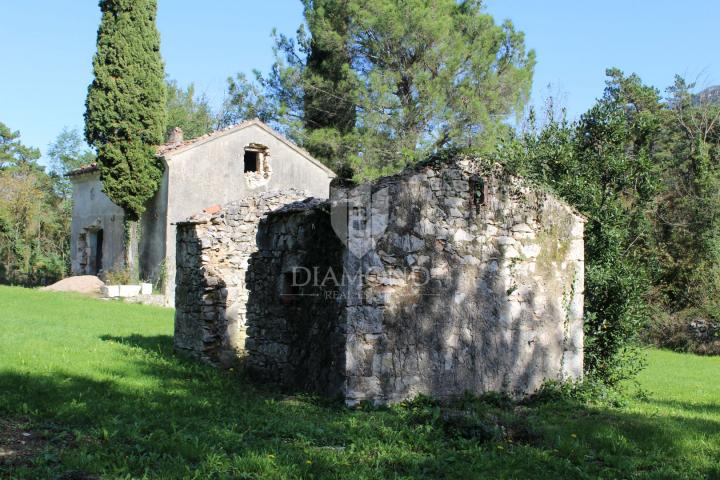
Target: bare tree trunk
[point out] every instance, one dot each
(132, 256)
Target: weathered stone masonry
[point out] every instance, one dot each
(296, 334)
(213, 250)
(472, 280)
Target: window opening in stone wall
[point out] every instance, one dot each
(256, 165)
(359, 218)
(479, 190)
(252, 161)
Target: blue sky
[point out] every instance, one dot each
(48, 47)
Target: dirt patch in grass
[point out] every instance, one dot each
(18, 445)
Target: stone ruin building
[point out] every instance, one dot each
(449, 277)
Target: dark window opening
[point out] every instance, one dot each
(252, 161)
(480, 191)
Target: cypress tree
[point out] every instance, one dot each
(125, 109)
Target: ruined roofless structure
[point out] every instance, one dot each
(450, 277)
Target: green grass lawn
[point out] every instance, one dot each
(97, 387)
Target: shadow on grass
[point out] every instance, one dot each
(169, 417)
(156, 343)
(692, 408)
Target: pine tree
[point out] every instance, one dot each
(328, 67)
(125, 109)
(379, 84)
(329, 85)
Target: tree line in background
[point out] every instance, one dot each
(34, 216)
(372, 86)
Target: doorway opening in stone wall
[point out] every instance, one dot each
(94, 251)
(98, 251)
(289, 289)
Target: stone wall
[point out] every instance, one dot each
(474, 283)
(213, 251)
(449, 277)
(295, 330)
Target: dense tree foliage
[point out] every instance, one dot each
(34, 216)
(125, 114)
(12, 152)
(688, 213)
(330, 87)
(66, 153)
(644, 170)
(188, 111)
(378, 84)
(244, 101)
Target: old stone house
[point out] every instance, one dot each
(217, 168)
(449, 277)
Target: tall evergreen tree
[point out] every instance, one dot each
(125, 114)
(328, 67)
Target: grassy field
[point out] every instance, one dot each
(93, 390)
